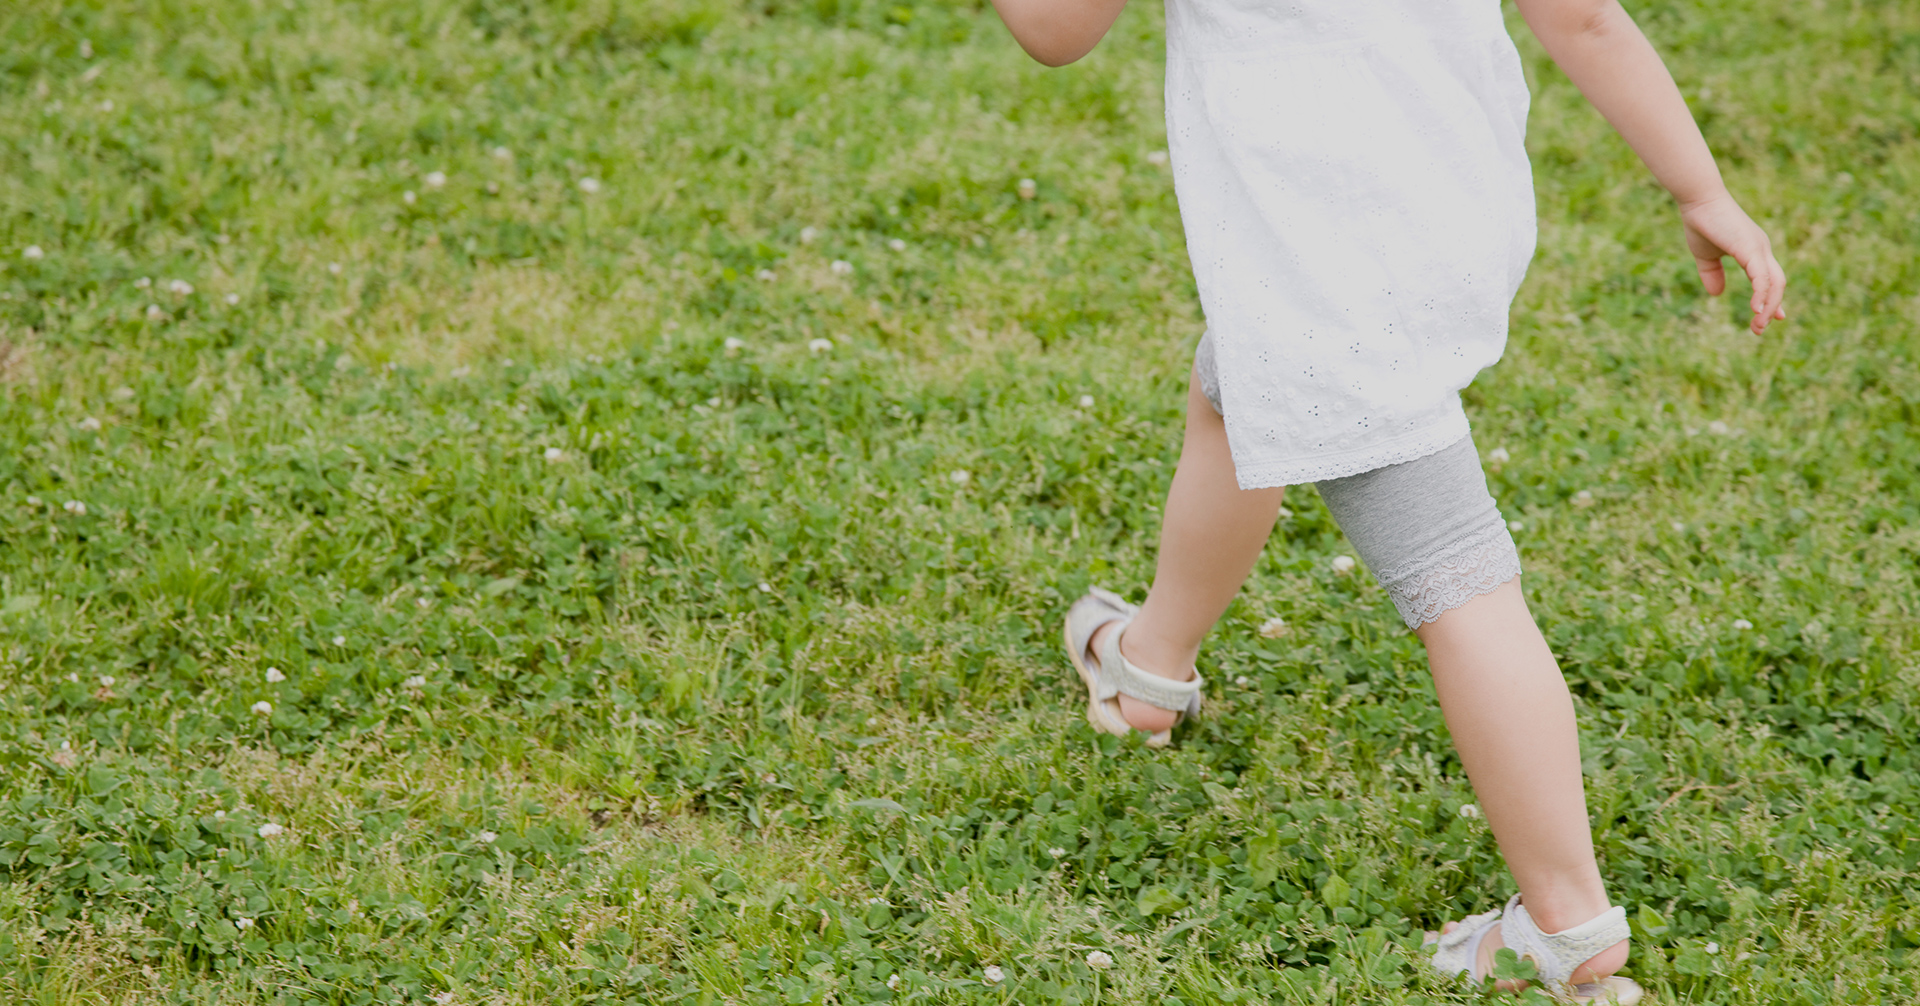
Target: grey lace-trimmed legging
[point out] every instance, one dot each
(1427, 528)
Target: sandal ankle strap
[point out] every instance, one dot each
(1120, 676)
(1556, 955)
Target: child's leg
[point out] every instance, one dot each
(1210, 535)
(1512, 721)
(1432, 533)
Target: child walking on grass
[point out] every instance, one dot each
(1359, 211)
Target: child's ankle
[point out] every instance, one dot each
(1142, 651)
(1140, 715)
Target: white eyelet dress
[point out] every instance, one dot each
(1358, 206)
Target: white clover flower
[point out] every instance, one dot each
(1243, 681)
(89, 424)
(106, 104)
(1086, 401)
(416, 681)
(993, 975)
(1028, 188)
(1583, 498)
(106, 680)
(270, 829)
(460, 371)
(154, 313)
(1742, 624)
(807, 234)
(243, 923)
(893, 982)
(1156, 157)
(232, 299)
(502, 153)
(1274, 628)
(1285, 513)
(1514, 525)
(33, 501)
(897, 245)
(553, 454)
(1343, 564)
(1099, 960)
(143, 283)
(32, 251)
(263, 708)
(1056, 852)
(841, 267)
(1469, 811)
(275, 676)
(1718, 428)
(1711, 947)
(734, 344)
(75, 507)
(336, 268)
(959, 476)
(435, 179)
(589, 185)
(486, 837)
(767, 275)
(179, 287)
(819, 345)
(408, 197)
(714, 402)
(1499, 456)
(219, 814)
(765, 587)
(339, 640)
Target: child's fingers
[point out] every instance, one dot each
(1769, 288)
(1712, 274)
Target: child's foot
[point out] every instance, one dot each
(1597, 968)
(1094, 629)
(1576, 964)
(1139, 715)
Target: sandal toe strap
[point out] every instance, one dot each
(1096, 609)
(1556, 955)
(1457, 950)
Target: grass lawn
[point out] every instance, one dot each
(520, 502)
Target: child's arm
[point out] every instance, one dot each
(1607, 57)
(1057, 32)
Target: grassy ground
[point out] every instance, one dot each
(414, 592)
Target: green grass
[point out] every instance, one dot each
(744, 695)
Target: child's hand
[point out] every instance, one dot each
(1718, 228)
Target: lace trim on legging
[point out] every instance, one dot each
(1427, 589)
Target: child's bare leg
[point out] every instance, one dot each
(1512, 721)
(1210, 535)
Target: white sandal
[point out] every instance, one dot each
(1113, 675)
(1555, 956)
